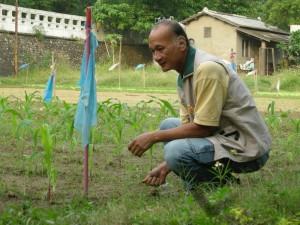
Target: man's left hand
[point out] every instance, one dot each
(141, 143)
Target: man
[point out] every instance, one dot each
(219, 121)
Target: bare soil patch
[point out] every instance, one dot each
(281, 104)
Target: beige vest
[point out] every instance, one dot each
(242, 135)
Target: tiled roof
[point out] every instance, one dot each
(237, 21)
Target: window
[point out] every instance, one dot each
(4, 12)
(207, 32)
(245, 48)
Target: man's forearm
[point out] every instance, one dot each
(189, 130)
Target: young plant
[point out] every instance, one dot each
(296, 125)
(272, 119)
(47, 143)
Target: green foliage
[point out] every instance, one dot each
(62, 6)
(292, 48)
(282, 13)
(247, 8)
(139, 16)
(48, 145)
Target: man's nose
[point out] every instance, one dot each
(156, 56)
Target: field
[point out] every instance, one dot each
(116, 194)
(41, 155)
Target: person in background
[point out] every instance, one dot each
(219, 124)
(232, 59)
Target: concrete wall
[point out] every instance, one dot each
(223, 36)
(37, 50)
(51, 24)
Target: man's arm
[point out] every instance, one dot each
(190, 130)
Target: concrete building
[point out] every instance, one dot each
(222, 34)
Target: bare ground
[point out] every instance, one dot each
(281, 104)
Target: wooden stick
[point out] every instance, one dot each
(16, 40)
(120, 59)
(86, 170)
(86, 148)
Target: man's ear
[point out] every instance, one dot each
(181, 42)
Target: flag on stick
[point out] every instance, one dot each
(86, 114)
(48, 93)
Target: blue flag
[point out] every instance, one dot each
(49, 89)
(140, 66)
(86, 114)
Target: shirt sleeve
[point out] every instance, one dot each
(183, 113)
(210, 88)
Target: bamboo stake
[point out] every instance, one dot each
(16, 40)
(86, 147)
(144, 76)
(120, 57)
(53, 72)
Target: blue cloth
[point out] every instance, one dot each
(49, 89)
(86, 114)
(139, 66)
(23, 66)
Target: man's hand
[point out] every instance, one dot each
(158, 175)
(141, 143)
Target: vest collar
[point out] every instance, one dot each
(188, 68)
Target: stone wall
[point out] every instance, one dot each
(36, 50)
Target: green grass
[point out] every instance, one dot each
(68, 76)
(116, 195)
(132, 80)
(289, 81)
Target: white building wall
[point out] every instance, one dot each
(51, 24)
(294, 28)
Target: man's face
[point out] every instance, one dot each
(166, 49)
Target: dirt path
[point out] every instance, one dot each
(282, 104)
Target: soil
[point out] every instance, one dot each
(281, 104)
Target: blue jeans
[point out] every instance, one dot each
(192, 159)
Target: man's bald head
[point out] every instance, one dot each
(175, 28)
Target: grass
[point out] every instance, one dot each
(116, 195)
(68, 76)
(132, 80)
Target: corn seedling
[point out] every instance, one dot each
(296, 125)
(47, 143)
(272, 119)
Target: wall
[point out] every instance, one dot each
(37, 49)
(50, 24)
(223, 36)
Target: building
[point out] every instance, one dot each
(238, 38)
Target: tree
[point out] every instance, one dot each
(282, 13)
(62, 6)
(292, 48)
(139, 15)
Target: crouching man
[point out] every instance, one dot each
(219, 121)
